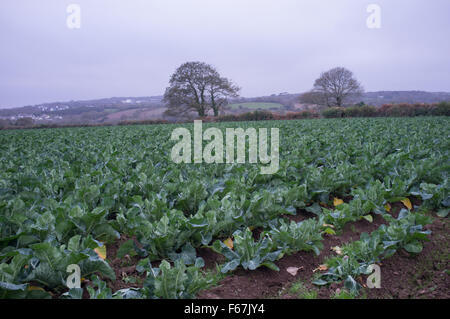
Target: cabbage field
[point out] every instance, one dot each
(68, 195)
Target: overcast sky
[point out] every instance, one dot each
(131, 47)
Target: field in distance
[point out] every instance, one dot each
(255, 105)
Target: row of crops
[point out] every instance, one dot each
(66, 194)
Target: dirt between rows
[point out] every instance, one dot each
(266, 283)
(402, 276)
(124, 268)
(425, 275)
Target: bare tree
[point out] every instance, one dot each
(312, 97)
(197, 86)
(335, 87)
(219, 89)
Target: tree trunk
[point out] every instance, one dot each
(214, 106)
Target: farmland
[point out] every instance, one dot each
(255, 105)
(109, 199)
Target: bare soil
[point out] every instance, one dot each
(425, 275)
(266, 283)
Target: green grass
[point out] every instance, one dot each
(110, 111)
(343, 294)
(298, 289)
(438, 260)
(256, 106)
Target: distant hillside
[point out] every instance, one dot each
(389, 97)
(371, 98)
(90, 111)
(116, 109)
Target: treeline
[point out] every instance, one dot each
(387, 110)
(23, 122)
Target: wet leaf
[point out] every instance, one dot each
(32, 288)
(229, 243)
(443, 213)
(414, 247)
(337, 202)
(407, 203)
(337, 250)
(388, 207)
(101, 251)
(321, 268)
(293, 270)
(320, 282)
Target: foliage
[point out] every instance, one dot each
(175, 282)
(336, 86)
(255, 105)
(360, 111)
(197, 86)
(417, 109)
(248, 253)
(355, 258)
(333, 112)
(248, 116)
(64, 195)
(293, 237)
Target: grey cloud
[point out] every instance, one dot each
(130, 48)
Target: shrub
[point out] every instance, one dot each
(441, 109)
(360, 111)
(4, 124)
(333, 112)
(249, 116)
(25, 122)
(226, 118)
(417, 109)
(143, 122)
(301, 115)
(257, 116)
